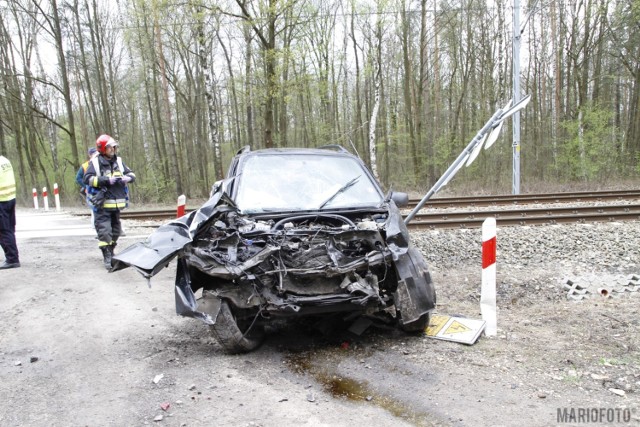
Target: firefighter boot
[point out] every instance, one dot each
(107, 253)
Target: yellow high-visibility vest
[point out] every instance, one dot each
(7, 180)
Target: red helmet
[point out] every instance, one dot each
(105, 141)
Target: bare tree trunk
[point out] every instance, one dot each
(436, 122)
(376, 103)
(237, 135)
(358, 113)
(557, 93)
(268, 43)
(372, 130)
(66, 90)
(148, 75)
(248, 94)
(408, 99)
(83, 69)
(155, 109)
(105, 123)
(269, 52)
(283, 118)
(11, 115)
(633, 138)
(422, 109)
(175, 163)
(212, 111)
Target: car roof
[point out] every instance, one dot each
(327, 150)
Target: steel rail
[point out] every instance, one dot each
(510, 199)
(503, 222)
(151, 215)
(529, 212)
(530, 217)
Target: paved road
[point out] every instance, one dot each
(40, 223)
(32, 224)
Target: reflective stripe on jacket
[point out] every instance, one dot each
(114, 203)
(7, 180)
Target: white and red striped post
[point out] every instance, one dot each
(56, 196)
(488, 293)
(45, 199)
(35, 199)
(182, 201)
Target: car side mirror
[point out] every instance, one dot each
(400, 199)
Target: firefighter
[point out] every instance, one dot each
(108, 174)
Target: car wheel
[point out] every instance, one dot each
(234, 335)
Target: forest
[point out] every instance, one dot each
(406, 84)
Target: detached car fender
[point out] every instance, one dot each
(416, 295)
(164, 244)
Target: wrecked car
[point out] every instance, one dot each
(291, 233)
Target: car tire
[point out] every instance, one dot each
(234, 337)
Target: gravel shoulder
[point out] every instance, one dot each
(552, 351)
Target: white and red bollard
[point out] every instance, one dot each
(45, 199)
(182, 201)
(35, 199)
(56, 196)
(488, 292)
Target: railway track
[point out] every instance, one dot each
(531, 216)
(527, 199)
(509, 210)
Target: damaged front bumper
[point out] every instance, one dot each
(323, 266)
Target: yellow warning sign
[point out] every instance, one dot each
(458, 329)
(436, 323)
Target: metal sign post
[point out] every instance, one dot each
(516, 96)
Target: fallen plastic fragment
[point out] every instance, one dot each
(617, 391)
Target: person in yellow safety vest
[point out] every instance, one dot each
(8, 215)
(85, 190)
(108, 174)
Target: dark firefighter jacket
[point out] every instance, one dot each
(116, 194)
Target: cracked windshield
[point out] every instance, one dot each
(303, 182)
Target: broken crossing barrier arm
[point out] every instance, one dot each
(486, 136)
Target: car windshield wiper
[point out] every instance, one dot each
(340, 190)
